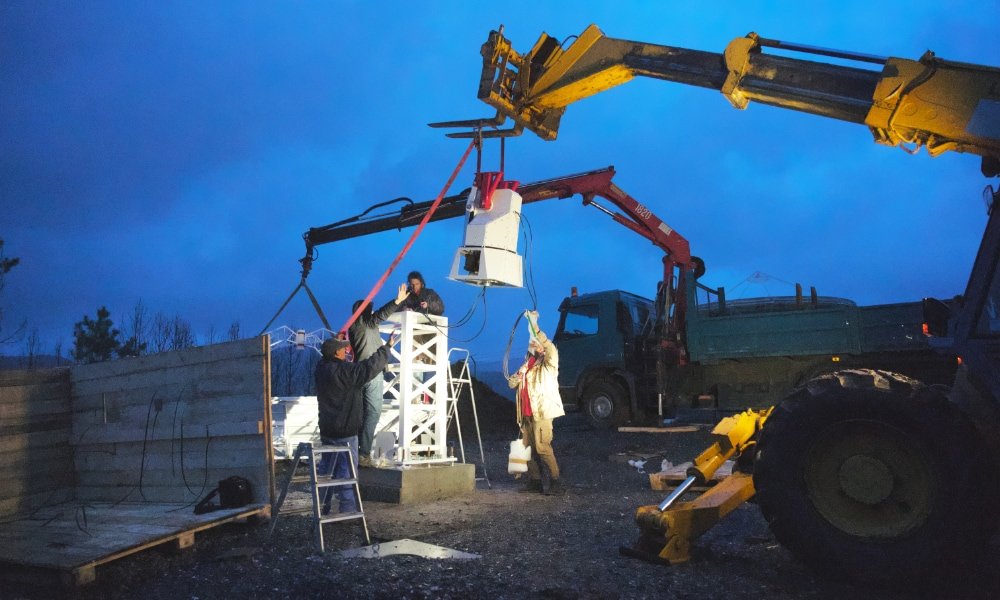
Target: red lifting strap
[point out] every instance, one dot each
(406, 248)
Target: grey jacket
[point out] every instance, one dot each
(363, 333)
(435, 305)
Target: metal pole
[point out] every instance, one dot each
(674, 495)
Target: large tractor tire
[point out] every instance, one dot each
(876, 477)
(604, 403)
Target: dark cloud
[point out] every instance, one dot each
(176, 152)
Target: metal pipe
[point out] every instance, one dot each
(674, 495)
(791, 46)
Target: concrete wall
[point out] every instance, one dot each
(36, 460)
(159, 428)
(167, 427)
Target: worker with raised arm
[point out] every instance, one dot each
(538, 403)
(365, 341)
(338, 392)
(422, 298)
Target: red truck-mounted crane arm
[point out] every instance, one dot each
(677, 261)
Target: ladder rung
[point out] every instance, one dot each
(342, 517)
(333, 482)
(301, 479)
(330, 449)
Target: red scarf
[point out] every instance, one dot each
(525, 400)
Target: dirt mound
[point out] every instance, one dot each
(496, 413)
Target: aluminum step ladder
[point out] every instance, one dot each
(306, 453)
(455, 385)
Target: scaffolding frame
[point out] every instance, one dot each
(418, 388)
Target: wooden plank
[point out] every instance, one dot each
(193, 475)
(192, 382)
(241, 451)
(32, 502)
(215, 353)
(38, 392)
(22, 442)
(27, 409)
(670, 478)
(17, 377)
(36, 424)
(44, 460)
(172, 493)
(17, 485)
(176, 411)
(126, 432)
(51, 551)
(674, 429)
(184, 541)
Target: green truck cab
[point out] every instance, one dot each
(737, 354)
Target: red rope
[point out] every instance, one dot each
(406, 248)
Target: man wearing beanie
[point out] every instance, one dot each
(338, 392)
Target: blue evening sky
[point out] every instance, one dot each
(175, 152)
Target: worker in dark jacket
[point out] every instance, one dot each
(365, 341)
(422, 298)
(338, 392)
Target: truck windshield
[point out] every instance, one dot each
(577, 321)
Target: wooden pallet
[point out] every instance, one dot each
(666, 481)
(672, 429)
(68, 541)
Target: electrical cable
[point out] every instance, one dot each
(204, 483)
(481, 327)
(145, 438)
(529, 237)
(464, 320)
(510, 342)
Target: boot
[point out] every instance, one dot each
(532, 486)
(555, 488)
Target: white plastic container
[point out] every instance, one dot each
(517, 460)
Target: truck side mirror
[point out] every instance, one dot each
(936, 315)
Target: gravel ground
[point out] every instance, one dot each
(531, 546)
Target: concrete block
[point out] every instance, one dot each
(417, 484)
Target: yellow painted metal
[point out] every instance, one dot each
(732, 434)
(936, 103)
(558, 64)
(680, 525)
(737, 58)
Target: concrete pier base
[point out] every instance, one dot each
(418, 483)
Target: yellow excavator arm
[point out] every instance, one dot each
(933, 103)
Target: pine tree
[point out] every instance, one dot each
(95, 340)
(6, 264)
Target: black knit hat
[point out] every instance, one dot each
(416, 275)
(331, 346)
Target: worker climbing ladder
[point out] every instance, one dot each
(306, 453)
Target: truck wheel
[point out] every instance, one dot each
(874, 476)
(604, 404)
